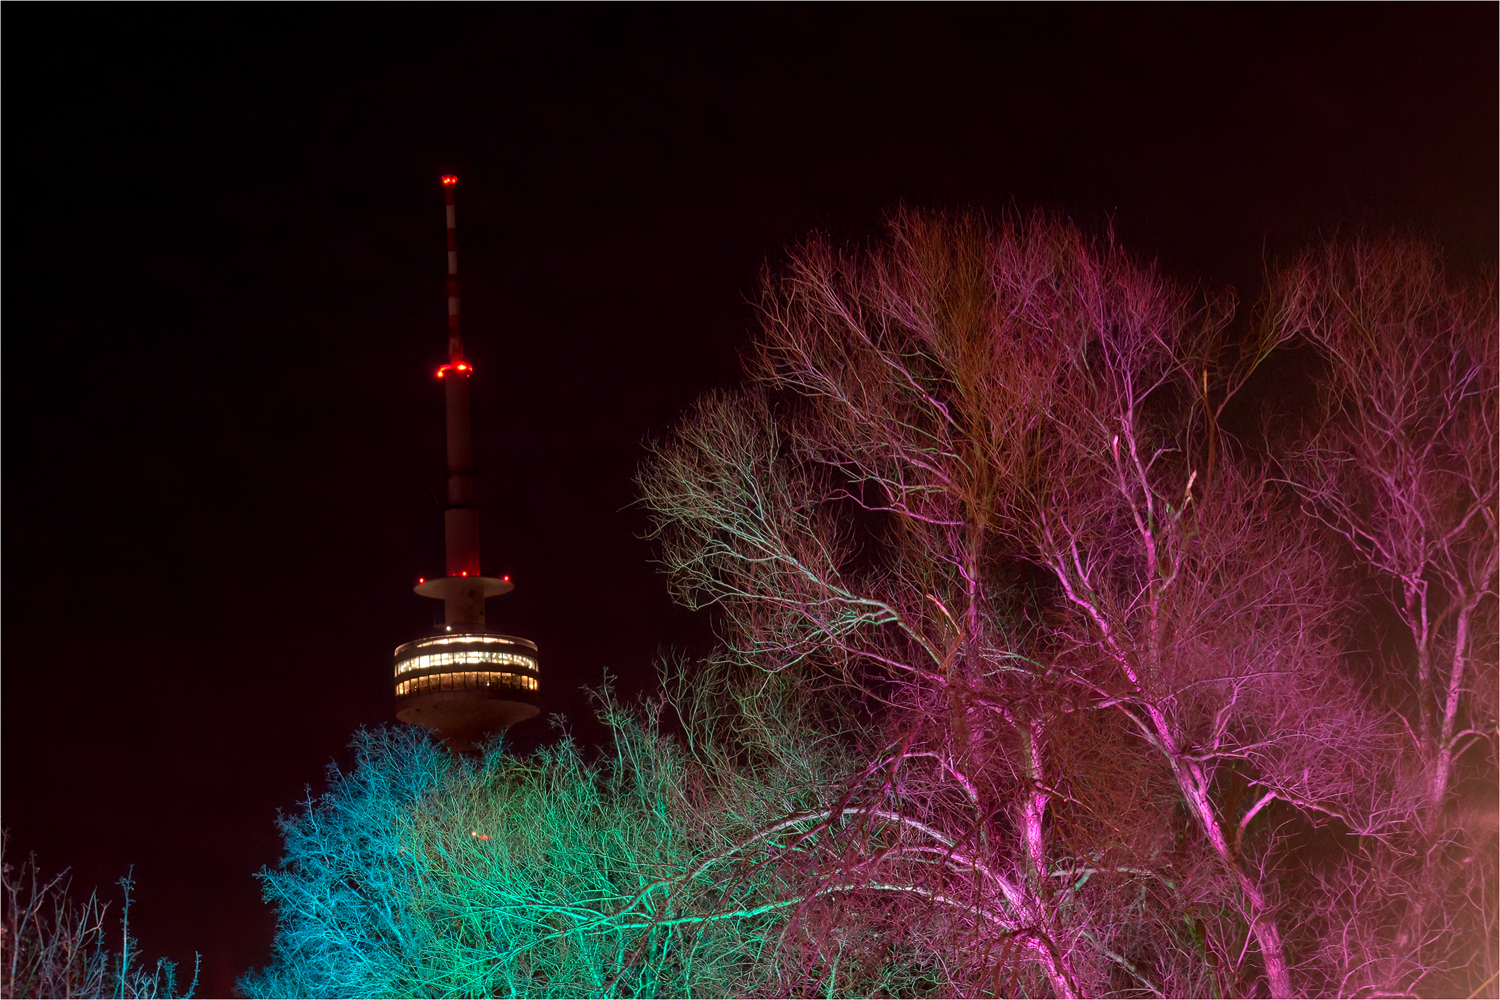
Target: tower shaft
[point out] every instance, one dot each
(466, 681)
(463, 605)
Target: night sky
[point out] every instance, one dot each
(223, 265)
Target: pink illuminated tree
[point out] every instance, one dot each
(1399, 462)
(978, 489)
(1403, 468)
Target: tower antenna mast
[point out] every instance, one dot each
(465, 682)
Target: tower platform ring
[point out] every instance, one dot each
(438, 588)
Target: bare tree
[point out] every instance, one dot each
(848, 532)
(747, 525)
(1200, 607)
(928, 421)
(54, 946)
(1403, 468)
(1400, 463)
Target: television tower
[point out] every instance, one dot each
(465, 682)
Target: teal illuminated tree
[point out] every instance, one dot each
(421, 873)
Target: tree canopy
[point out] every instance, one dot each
(1037, 673)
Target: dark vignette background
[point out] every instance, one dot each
(223, 273)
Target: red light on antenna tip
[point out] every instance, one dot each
(449, 180)
(421, 579)
(506, 579)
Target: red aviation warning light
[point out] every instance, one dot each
(462, 366)
(449, 180)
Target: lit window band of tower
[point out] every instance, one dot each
(466, 682)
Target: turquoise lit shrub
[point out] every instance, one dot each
(422, 873)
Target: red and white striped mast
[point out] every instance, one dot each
(465, 588)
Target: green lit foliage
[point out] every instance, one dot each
(420, 873)
(52, 946)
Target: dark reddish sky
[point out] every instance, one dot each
(223, 254)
